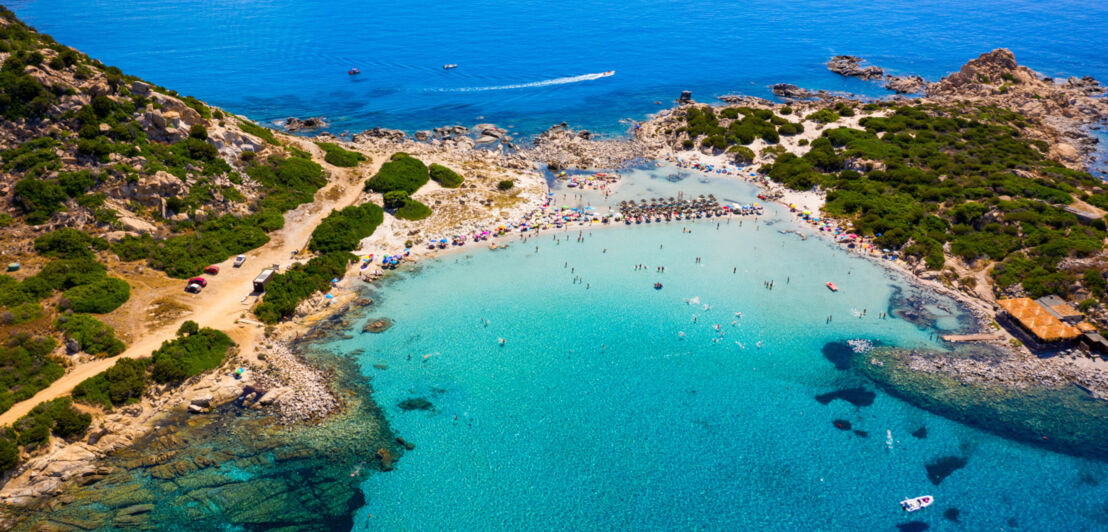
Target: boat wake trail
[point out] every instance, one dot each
(545, 83)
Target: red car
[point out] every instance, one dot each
(200, 281)
(211, 270)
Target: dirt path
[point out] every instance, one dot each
(222, 303)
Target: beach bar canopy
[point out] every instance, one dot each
(1037, 320)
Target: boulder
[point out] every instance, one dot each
(851, 66)
(378, 325)
(151, 190)
(203, 400)
(140, 88)
(905, 84)
(686, 97)
(133, 225)
(423, 135)
(72, 346)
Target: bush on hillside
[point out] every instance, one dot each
(21, 313)
(742, 154)
(395, 199)
(343, 230)
(188, 356)
(413, 210)
(94, 337)
(57, 416)
(27, 366)
(506, 184)
(286, 290)
(121, 384)
(445, 176)
(98, 297)
(339, 156)
(38, 200)
(67, 243)
(9, 453)
(402, 172)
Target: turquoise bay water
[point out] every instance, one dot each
(596, 414)
(273, 59)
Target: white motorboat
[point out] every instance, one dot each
(917, 503)
(449, 66)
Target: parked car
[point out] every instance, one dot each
(193, 288)
(212, 270)
(200, 281)
(239, 260)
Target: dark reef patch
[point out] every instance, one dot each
(415, 403)
(913, 526)
(861, 434)
(920, 433)
(857, 396)
(1013, 523)
(839, 354)
(942, 467)
(842, 424)
(951, 514)
(1088, 479)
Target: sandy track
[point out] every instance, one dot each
(220, 304)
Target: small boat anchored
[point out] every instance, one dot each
(353, 72)
(449, 66)
(917, 503)
(831, 286)
(657, 286)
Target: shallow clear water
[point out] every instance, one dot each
(273, 59)
(597, 414)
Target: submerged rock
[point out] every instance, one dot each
(858, 396)
(913, 526)
(378, 325)
(951, 514)
(415, 403)
(942, 467)
(920, 433)
(842, 424)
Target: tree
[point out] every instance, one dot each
(188, 328)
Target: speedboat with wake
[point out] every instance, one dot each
(449, 66)
(917, 503)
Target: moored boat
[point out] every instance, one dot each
(917, 503)
(832, 286)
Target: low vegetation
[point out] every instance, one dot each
(286, 290)
(92, 335)
(121, 384)
(445, 176)
(26, 367)
(402, 172)
(342, 230)
(927, 178)
(339, 156)
(189, 355)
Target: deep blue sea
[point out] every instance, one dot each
(524, 65)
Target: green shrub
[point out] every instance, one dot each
(506, 184)
(742, 154)
(299, 282)
(57, 416)
(38, 200)
(9, 454)
(188, 356)
(339, 156)
(91, 334)
(188, 328)
(394, 199)
(65, 243)
(445, 176)
(26, 367)
(824, 116)
(402, 172)
(98, 297)
(21, 313)
(343, 230)
(121, 384)
(413, 210)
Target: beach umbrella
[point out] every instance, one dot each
(329, 296)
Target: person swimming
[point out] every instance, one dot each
(502, 341)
